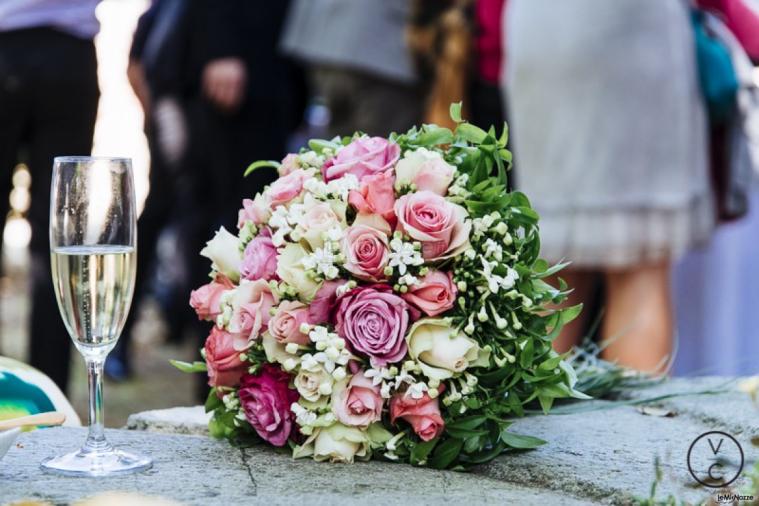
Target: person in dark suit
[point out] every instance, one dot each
(48, 103)
(217, 96)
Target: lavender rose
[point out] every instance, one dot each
(373, 321)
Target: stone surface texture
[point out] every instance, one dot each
(602, 455)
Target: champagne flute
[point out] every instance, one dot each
(93, 235)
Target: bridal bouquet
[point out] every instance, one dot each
(384, 298)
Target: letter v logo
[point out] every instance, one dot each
(711, 445)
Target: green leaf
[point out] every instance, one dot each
(446, 453)
(422, 450)
(190, 367)
(455, 112)
(519, 441)
(525, 357)
(504, 135)
(570, 313)
(469, 422)
(320, 145)
(261, 163)
(471, 133)
(546, 401)
(434, 136)
(213, 401)
(465, 433)
(486, 455)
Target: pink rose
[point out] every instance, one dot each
(260, 258)
(284, 326)
(250, 309)
(289, 164)
(373, 321)
(223, 362)
(440, 226)
(434, 295)
(286, 188)
(206, 300)
(362, 157)
(321, 308)
(266, 399)
(423, 414)
(376, 196)
(358, 403)
(256, 211)
(366, 252)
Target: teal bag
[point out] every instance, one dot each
(716, 74)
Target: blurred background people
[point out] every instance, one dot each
(611, 139)
(358, 61)
(458, 51)
(48, 105)
(217, 96)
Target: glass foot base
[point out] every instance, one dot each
(86, 462)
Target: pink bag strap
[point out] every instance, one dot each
(741, 19)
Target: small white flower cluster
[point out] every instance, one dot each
(311, 159)
(323, 261)
(331, 353)
(496, 282)
(337, 188)
(391, 380)
(458, 188)
(310, 419)
(403, 255)
(466, 384)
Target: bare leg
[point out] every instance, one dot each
(639, 317)
(583, 283)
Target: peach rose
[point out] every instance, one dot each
(286, 188)
(206, 300)
(435, 293)
(222, 351)
(423, 414)
(376, 196)
(251, 303)
(362, 157)
(426, 169)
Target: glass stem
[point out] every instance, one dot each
(96, 437)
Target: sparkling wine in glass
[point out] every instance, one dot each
(94, 261)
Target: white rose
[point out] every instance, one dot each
(312, 385)
(440, 350)
(275, 352)
(336, 443)
(290, 270)
(426, 169)
(225, 253)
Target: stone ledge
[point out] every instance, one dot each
(192, 420)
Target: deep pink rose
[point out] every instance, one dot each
(373, 321)
(440, 226)
(286, 188)
(266, 400)
(260, 258)
(376, 196)
(284, 326)
(321, 308)
(423, 414)
(289, 164)
(434, 295)
(358, 403)
(206, 300)
(256, 211)
(366, 252)
(250, 309)
(223, 362)
(362, 157)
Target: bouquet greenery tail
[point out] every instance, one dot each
(384, 298)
